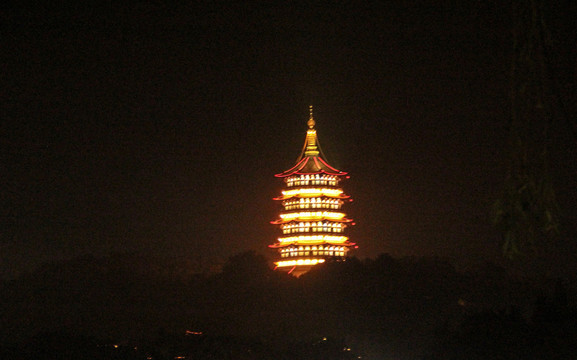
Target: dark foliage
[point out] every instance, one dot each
(377, 307)
(550, 333)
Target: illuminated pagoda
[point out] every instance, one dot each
(312, 223)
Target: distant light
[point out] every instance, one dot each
(188, 332)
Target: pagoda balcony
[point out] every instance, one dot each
(313, 231)
(312, 191)
(308, 238)
(305, 183)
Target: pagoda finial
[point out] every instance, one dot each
(311, 122)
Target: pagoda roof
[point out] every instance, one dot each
(307, 195)
(286, 221)
(310, 161)
(321, 242)
(311, 165)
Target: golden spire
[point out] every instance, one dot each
(311, 122)
(310, 148)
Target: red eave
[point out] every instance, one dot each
(311, 165)
(284, 197)
(330, 167)
(281, 221)
(285, 244)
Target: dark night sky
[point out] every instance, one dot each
(158, 128)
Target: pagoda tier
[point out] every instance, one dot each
(312, 222)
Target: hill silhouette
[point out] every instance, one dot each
(407, 308)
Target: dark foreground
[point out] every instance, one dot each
(132, 307)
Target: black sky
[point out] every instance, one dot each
(157, 128)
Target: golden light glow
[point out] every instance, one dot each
(311, 142)
(314, 238)
(310, 192)
(311, 179)
(313, 215)
(319, 226)
(299, 262)
(312, 203)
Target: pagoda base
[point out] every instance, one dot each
(296, 270)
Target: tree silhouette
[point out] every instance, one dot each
(527, 211)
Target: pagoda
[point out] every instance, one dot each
(312, 224)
